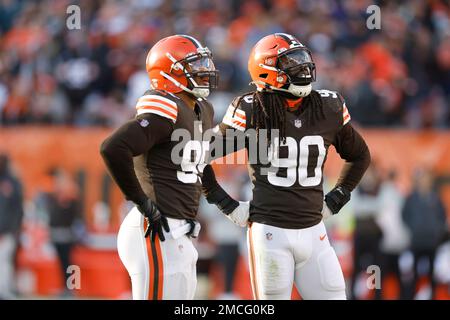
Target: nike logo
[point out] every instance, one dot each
(323, 237)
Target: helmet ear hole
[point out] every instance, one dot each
(281, 79)
(263, 75)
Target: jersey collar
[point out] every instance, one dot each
(293, 104)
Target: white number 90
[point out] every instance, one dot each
(296, 162)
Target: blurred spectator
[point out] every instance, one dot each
(63, 208)
(396, 76)
(396, 238)
(227, 237)
(11, 214)
(367, 205)
(424, 214)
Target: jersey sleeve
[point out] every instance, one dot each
(349, 144)
(134, 138)
(351, 147)
(151, 103)
(341, 106)
(345, 114)
(235, 117)
(335, 103)
(229, 135)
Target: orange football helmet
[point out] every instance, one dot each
(178, 63)
(281, 62)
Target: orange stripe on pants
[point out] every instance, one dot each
(150, 264)
(155, 263)
(254, 282)
(160, 268)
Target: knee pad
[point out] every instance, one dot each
(180, 285)
(275, 276)
(331, 276)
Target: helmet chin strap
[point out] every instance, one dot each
(197, 92)
(299, 91)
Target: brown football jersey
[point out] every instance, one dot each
(287, 189)
(166, 153)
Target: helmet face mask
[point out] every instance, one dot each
(200, 71)
(180, 63)
(298, 66)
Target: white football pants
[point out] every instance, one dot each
(280, 257)
(7, 245)
(160, 270)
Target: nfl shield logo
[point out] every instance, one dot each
(268, 236)
(298, 123)
(144, 123)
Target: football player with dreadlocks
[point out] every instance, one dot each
(287, 239)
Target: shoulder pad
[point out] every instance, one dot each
(158, 102)
(334, 101)
(236, 115)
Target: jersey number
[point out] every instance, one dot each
(297, 161)
(326, 93)
(193, 162)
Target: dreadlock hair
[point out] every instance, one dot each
(270, 107)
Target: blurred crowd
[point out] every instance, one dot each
(402, 234)
(405, 235)
(397, 76)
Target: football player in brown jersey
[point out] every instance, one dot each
(154, 240)
(287, 239)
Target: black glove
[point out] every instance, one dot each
(155, 221)
(337, 198)
(192, 224)
(215, 194)
(222, 200)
